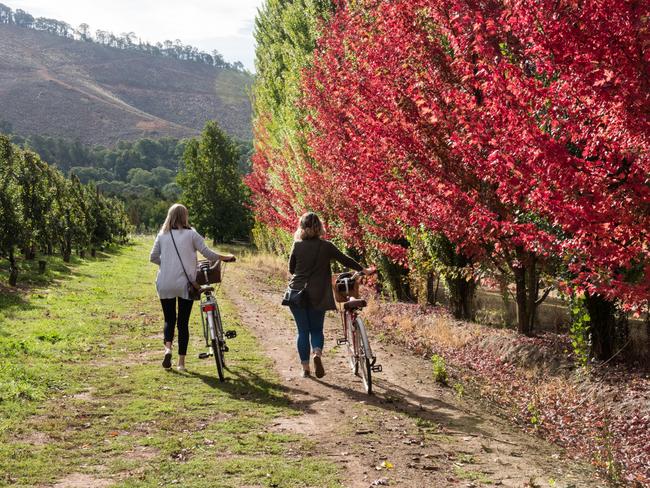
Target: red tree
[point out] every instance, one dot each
(480, 120)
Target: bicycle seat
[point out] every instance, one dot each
(206, 288)
(354, 304)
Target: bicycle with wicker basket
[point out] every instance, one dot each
(213, 332)
(360, 357)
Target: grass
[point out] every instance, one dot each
(470, 475)
(82, 391)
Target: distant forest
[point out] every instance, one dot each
(141, 173)
(127, 41)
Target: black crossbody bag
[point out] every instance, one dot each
(193, 289)
(299, 298)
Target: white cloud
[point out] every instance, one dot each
(224, 25)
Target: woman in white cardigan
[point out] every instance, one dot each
(171, 282)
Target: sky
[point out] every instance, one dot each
(224, 25)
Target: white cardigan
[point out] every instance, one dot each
(171, 281)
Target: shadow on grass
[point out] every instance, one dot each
(242, 383)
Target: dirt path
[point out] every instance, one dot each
(412, 432)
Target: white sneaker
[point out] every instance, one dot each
(181, 369)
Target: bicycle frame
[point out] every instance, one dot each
(211, 328)
(349, 322)
(360, 355)
(213, 333)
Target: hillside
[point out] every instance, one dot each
(62, 87)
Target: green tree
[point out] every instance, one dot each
(212, 186)
(11, 226)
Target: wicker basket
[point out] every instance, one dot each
(343, 296)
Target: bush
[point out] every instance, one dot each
(439, 369)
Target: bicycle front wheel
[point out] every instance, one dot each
(365, 359)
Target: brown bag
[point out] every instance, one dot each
(214, 273)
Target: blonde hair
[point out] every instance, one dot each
(177, 218)
(309, 227)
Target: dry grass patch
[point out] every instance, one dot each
(429, 328)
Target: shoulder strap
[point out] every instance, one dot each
(171, 233)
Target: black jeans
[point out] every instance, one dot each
(184, 311)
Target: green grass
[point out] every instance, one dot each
(82, 391)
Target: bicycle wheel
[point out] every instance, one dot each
(204, 326)
(351, 345)
(216, 349)
(364, 357)
(220, 335)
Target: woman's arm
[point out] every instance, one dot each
(154, 256)
(292, 260)
(344, 259)
(202, 247)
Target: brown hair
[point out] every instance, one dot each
(309, 227)
(177, 218)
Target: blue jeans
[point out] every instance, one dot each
(310, 327)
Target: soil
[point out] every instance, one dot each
(412, 432)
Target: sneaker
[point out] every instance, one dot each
(306, 373)
(181, 369)
(318, 366)
(167, 361)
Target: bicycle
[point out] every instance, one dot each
(213, 333)
(359, 353)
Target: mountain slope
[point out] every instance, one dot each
(51, 85)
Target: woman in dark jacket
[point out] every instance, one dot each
(309, 265)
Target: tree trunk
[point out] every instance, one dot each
(505, 298)
(432, 291)
(461, 297)
(527, 285)
(41, 266)
(66, 251)
(13, 268)
(93, 252)
(429, 289)
(602, 326)
(82, 253)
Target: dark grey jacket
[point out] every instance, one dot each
(315, 255)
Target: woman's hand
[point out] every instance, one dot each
(370, 271)
(228, 259)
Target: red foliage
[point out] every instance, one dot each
(513, 127)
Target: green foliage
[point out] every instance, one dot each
(580, 329)
(534, 414)
(272, 239)
(439, 369)
(286, 32)
(429, 253)
(41, 210)
(212, 186)
(140, 173)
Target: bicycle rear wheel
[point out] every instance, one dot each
(220, 336)
(216, 351)
(364, 357)
(351, 345)
(214, 344)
